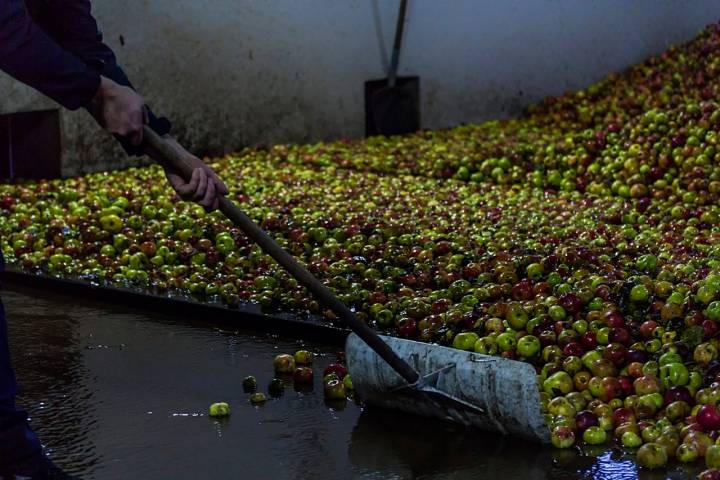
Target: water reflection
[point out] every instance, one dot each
(47, 356)
(387, 444)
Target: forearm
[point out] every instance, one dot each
(32, 57)
(74, 27)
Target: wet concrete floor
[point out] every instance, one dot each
(116, 393)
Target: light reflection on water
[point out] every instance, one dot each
(120, 394)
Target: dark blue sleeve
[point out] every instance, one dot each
(71, 24)
(31, 56)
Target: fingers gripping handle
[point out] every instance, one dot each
(168, 158)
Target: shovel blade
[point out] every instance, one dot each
(489, 393)
(392, 111)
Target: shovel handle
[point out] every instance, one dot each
(170, 159)
(397, 43)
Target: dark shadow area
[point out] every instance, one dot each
(30, 145)
(392, 110)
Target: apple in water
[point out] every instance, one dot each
(562, 437)
(258, 398)
(220, 409)
(303, 357)
(335, 390)
(249, 384)
(284, 363)
(303, 375)
(652, 456)
(337, 369)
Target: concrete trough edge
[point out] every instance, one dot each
(284, 324)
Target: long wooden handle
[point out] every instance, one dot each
(170, 159)
(395, 58)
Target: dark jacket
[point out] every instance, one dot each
(55, 47)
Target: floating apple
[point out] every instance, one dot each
(337, 369)
(303, 375)
(562, 437)
(335, 390)
(594, 436)
(249, 384)
(276, 387)
(303, 357)
(652, 456)
(258, 398)
(284, 363)
(220, 409)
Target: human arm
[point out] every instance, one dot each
(29, 55)
(71, 24)
(116, 106)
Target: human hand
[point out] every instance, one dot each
(120, 110)
(204, 187)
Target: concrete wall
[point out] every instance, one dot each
(236, 72)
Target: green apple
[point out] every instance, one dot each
(249, 384)
(348, 383)
(220, 409)
(712, 456)
(111, 223)
(335, 390)
(258, 398)
(303, 357)
(529, 346)
(594, 436)
(673, 374)
(631, 440)
(506, 342)
(559, 383)
(687, 452)
(652, 456)
(465, 340)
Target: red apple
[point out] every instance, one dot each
(337, 369)
(708, 417)
(585, 419)
(303, 375)
(647, 328)
(623, 415)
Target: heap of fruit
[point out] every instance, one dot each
(583, 237)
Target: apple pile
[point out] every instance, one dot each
(645, 133)
(583, 238)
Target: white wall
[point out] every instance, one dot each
(237, 72)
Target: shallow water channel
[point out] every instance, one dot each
(116, 393)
